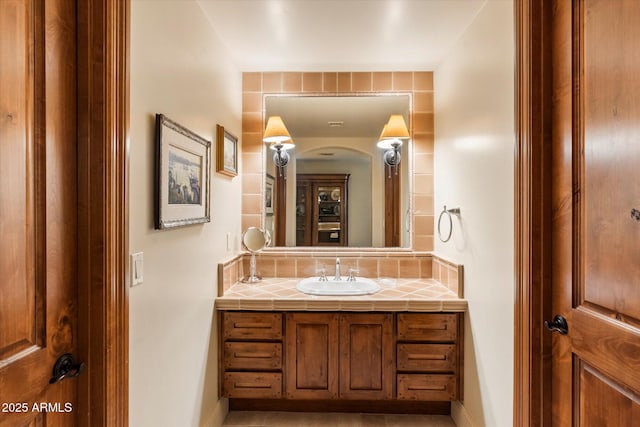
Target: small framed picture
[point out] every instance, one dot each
(181, 175)
(268, 195)
(226, 152)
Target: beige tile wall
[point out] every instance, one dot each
(449, 274)
(291, 264)
(229, 273)
(417, 83)
(282, 264)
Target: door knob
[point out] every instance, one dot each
(558, 324)
(66, 367)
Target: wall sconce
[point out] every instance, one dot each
(277, 135)
(391, 140)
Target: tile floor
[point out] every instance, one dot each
(314, 419)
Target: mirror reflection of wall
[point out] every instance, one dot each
(338, 135)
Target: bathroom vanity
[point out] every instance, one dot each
(400, 348)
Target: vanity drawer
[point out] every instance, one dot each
(258, 326)
(426, 357)
(426, 387)
(259, 385)
(252, 356)
(427, 327)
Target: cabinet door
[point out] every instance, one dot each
(311, 356)
(304, 213)
(366, 356)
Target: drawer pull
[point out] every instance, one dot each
(427, 357)
(429, 328)
(248, 355)
(252, 385)
(427, 387)
(247, 325)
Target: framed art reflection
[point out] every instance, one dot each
(268, 195)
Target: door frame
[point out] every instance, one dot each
(103, 28)
(103, 159)
(532, 257)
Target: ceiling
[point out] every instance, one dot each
(339, 35)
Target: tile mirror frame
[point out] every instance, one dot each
(253, 151)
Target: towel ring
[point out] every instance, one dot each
(448, 212)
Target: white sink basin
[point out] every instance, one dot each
(315, 286)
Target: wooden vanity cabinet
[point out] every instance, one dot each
(345, 356)
(342, 356)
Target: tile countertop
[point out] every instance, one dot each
(420, 295)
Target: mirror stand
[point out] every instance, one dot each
(252, 271)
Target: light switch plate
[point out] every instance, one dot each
(137, 268)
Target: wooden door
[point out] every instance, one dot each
(38, 291)
(311, 356)
(596, 212)
(366, 356)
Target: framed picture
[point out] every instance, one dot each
(181, 175)
(268, 195)
(226, 152)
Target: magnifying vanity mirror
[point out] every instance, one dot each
(337, 189)
(254, 240)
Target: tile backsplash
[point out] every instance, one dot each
(449, 274)
(287, 264)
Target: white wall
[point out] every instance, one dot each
(474, 152)
(179, 68)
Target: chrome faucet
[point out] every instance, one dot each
(337, 277)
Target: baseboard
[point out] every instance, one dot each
(219, 414)
(337, 405)
(460, 415)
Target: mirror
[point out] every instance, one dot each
(337, 135)
(255, 240)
